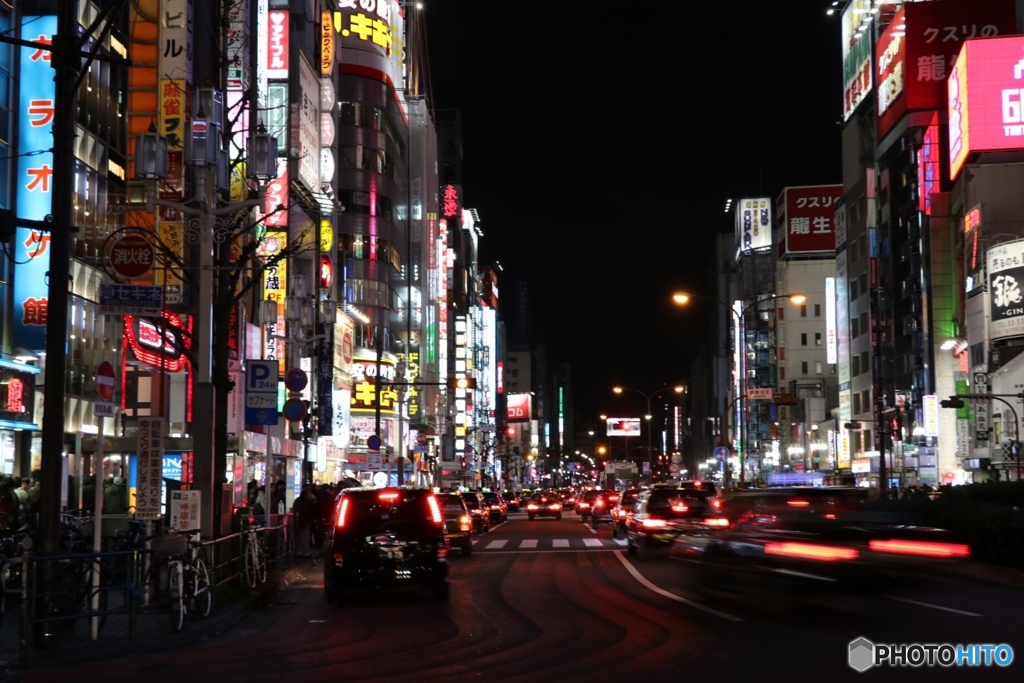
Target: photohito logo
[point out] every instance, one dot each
(863, 654)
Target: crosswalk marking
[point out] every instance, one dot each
(593, 542)
(497, 545)
(550, 544)
(560, 543)
(529, 543)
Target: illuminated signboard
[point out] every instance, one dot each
(914, 52)
(753, 224)
(277, 44)
(364, 375)
(623, 426)
(326, 44)
(34, 117)
(1006, 289)
(831, 333)
(856, 45)
(929, 167)
(986, 99)
(520, 407)
(806, 219)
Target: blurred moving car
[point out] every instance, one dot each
(496, 506)
(457, 521)
(623, 510)
(601, 508)
(385, 538)
(478, 510)
(662, 513)
(803, 542)
(544, 505)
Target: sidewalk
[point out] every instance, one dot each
(153, 629)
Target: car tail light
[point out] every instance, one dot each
(811, 551)
(584, 505)
(679, 507)
(387, 496)
(797, 503)
(555, 506)
(435, 510)
(716, 521)
(599, 503)
(653, 523)
(532, 506)
(465, 523)
(342, 514)
(920, 548)
(717, 504)
(442, 553)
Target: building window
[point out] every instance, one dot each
(817, 310)
(803, 310)
(782, 372)
(855, 366)
(854, 328)
(803, 339)
(803, 367)
(817, 338)
(817, 367)
(856, 403)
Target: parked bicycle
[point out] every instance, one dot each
(254, 559)
(13, 546)
(188, 584)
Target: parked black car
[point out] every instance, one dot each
(386, 538)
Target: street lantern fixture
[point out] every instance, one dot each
(647, 416)
(207, 216)
(683, 298)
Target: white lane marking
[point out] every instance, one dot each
(497, 545)
(672, 596)
(529, 543)
(939, 607)
(593, 542)
(560, 543)
(620, 541)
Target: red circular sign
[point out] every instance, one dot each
(296, 379)
(131, 256)
(105, 381)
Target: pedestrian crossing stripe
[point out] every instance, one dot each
(559, 543)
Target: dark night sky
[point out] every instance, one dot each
(601, 141)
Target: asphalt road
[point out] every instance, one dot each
(550, 600)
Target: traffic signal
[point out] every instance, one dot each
(897, 429)
(851, 425)
(952, 402)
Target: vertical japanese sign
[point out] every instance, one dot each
(184, 510)
(150, 444)
(35, 174)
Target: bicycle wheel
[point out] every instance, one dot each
(63, 601)
(261, 563)
(249, 560)
(176, 594)
(202, 591)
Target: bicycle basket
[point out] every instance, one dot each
(168, 545)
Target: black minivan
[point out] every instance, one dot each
(386, 538)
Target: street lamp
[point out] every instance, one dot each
(683, 298)
(208, 218)
(647, 416)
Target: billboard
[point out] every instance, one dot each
(1006, 300)
(986, 99)
(856, 46)
(519, 407)
(623, 426)
(806, 219)
(914, 52)
(753, 224)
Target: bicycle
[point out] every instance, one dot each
(188, 584)
(13, 546)
(254, 559)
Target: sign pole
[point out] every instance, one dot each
(97, 529)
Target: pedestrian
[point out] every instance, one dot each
(304, 510)
(115, 498)
(89, 493)
(8, 504)
(259, 510)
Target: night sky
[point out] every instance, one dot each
(601, 141)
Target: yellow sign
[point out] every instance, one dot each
(326, 235)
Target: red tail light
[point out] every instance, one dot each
(435, 510)
(387, 496)
(920, 548)
(810, 551)
(798, 503)
(653, 523)
(717, 504)
(599, 503)
(679, 507)
(342, 513)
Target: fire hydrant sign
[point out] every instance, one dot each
(150, 447)
(184, 510)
